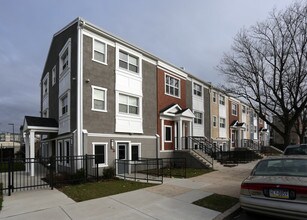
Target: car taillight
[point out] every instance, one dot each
(247, 188)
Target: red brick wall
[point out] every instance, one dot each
(166, 100)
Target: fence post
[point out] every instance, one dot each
(9, 176)
(147, 169)
(86, 171)
(12, 168)
(97, 173)
(51, 166)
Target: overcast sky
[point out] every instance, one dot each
(192, 34)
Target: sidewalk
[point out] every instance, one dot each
(171, 200)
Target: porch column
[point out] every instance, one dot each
(175, 134)
(190, 133)
(239, 137)
(180, 135)
(162, 134)
(27, 149)
(32, 149)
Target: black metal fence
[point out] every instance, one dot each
(34, 173)
(148, 169)
(240, 155)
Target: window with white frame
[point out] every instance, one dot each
(168, 133)
(214, 97)
(128, 61)
(234, 108)
(243, 109)
(135, 152)
(99, 51)
(100, 152)
(222, 122)
(60, 152)
(198, 117)
(214, 121)
(46, 85)
(172, 86)
(99, 99)
(128, 104)
(67, 151)
(53, 75)
(197, 89)
(222, 100)
(64, 57)
(64, 104)
(64, 60)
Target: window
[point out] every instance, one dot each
(214, 122)
(222, 100)
(222, 122)
(64, 105)
(128, 62)
(45, 85)
(60, 151)
(67, 151)
(122, 152)
(197, 89)
(234, 108)
(128, 104)
(214, 96)
(64, 60)
(135, 152)
(99, 154)
(168, 133)
(99, 51)
(53, 75)
(243, 109)
(198, 118)
(99, 96)
(172, 86)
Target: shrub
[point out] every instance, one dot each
(109, 173)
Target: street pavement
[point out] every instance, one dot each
(170, 200)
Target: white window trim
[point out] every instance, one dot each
(139, 115)
(179, 86)
(68, 105)
(201, 90)
(216, 121)
(236, 109)
(65, 152)
(223, 100)
(133, 53)
(139, 147)
(220, 122)
(67, 47)
(167, 141)
(105, 153)
(214, 96)
(105, 51)
(53, 75)
(46, 78)
(105, 99)
(202, 118)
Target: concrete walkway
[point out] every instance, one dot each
(171, 200)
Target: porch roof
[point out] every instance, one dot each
(40, 124)
(237, 124)
(175, 110)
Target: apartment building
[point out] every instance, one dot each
(103, 96)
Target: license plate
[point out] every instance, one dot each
(279, 193)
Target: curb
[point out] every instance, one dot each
(228, 212)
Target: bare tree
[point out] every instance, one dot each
(267, 66)
(301, 125)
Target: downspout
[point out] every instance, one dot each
(80, 147)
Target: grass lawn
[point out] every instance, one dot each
(192, 172)
(217, 202)
(100, 189)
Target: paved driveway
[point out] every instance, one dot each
(171, 200)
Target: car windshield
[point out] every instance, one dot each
(281, 167)
(296, 150)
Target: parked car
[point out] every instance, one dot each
(277, 186)
(299, 149)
